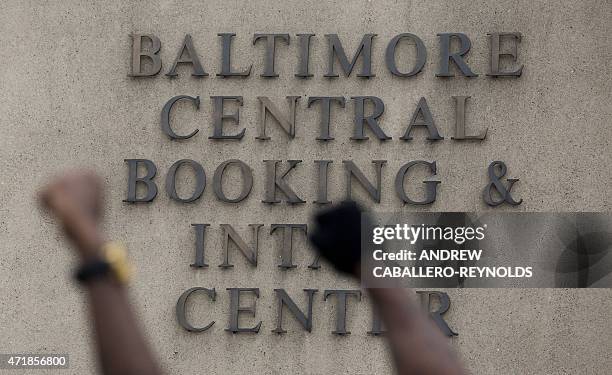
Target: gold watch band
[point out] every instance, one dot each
(115, 254)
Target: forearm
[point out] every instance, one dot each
(122, 348)
(418, 346)
(76, 200)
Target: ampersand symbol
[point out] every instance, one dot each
(497, 184)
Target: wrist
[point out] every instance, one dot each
(91, 248)
(109, 263)
(88, 240)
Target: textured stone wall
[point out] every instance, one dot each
(67, 101)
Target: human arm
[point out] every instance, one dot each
(75, 200)
(418, 346)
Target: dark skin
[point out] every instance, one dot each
(417, 344)
(76, 200)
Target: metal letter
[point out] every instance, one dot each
(274, 181)
(322, 190)
(430, 186)
(199, 246)
(304, 55)
(421, 55)
(219, 116)
(226, 64)
(341, 298)
(181, 314)
(423, 109)
(288, 125)
(138, 54)
(269, 70)
(247, 181)
(171, 181)
(353, 170)
(192, 59)
(229, 233)
(377, 324)
(326, 113)
(371, 120)
(460, 121)
(494, 69)
(133, 180)
(287, 247)
(437, 315)
(315, 265)
(165, 116)
(446, 56)
(236, 309)
(336, 49)
(284, 299)
(497, 185)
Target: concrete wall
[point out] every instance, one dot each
(67, 100)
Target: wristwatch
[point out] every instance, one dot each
(112, 261)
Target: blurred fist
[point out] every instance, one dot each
(337, 236)
(76, 200)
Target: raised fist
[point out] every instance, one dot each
(337, 236)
